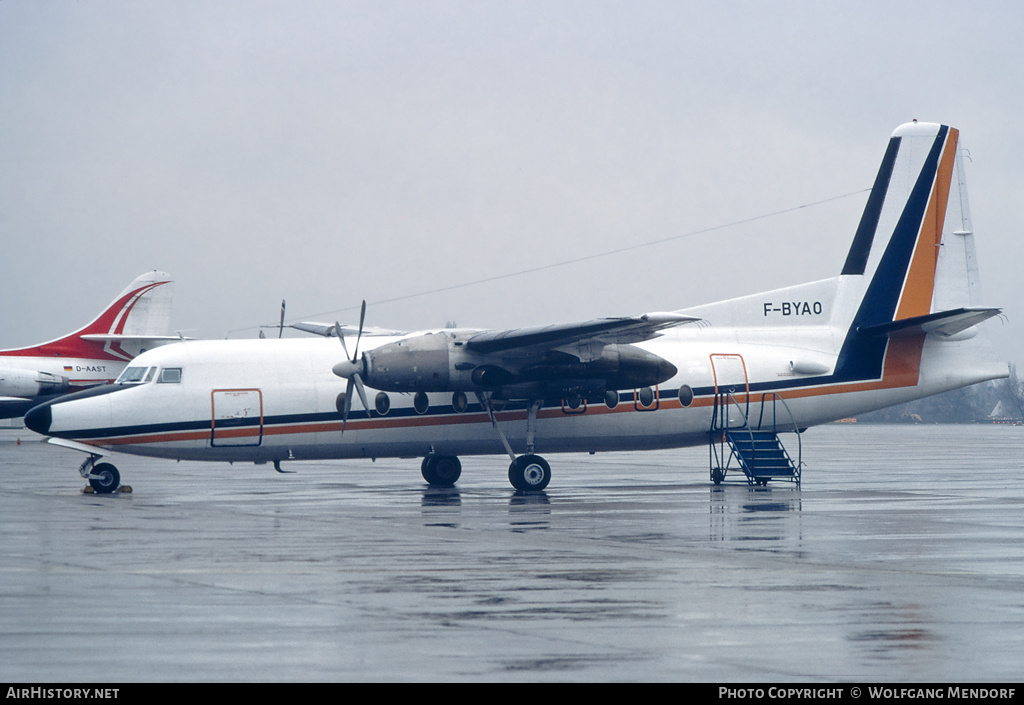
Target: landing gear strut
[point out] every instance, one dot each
(529, 472)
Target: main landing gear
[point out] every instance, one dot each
(527, 473)
(441, 470)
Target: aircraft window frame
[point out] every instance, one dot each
(685, 395)
(611, 398)
(166, 378)
(459, 402)
(421, 403)
(382, 403)
(133, 374)
(645, 398)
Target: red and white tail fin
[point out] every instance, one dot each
(138, 319)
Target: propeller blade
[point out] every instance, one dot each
(349, 369)
(362, 317)
(362, 391)
(337, 329)
(347, 406)
(280, 326)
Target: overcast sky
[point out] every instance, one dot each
(329, 152)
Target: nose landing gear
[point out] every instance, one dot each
(103, 477)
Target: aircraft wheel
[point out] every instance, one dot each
(105, 478)
(717, 475)
(441, 470)
(529, 473)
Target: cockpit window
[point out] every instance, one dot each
(170, 375)
(133, 375)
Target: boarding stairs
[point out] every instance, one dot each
(753, 449)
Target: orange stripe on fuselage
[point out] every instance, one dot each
(920, 283)
(902, 369)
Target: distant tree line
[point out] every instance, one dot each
(998, 400)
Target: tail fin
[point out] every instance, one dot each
(911, 270)
(137, 319)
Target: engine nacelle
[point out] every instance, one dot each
(440, 362)
(30, 383)
(421, 363)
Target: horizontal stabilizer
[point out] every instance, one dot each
(944, 323)
(115, 338)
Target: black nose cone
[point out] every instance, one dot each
(39, 419)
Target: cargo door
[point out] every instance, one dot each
(237, 417)
(732, 398)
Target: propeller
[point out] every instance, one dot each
(349, 369)
(280, 326)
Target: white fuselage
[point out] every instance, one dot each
(266, 400)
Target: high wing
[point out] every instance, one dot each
(605, 331)
(584, 358)
(330, 330)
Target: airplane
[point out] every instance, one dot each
(137, 319)
(898, 323)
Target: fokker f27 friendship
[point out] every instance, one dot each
(897, 324)
(138, 319)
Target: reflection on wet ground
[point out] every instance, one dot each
(899, 558)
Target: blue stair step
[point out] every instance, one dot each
(760, 453)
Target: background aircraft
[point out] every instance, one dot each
(897, 324)
(138, 319)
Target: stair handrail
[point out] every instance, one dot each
(799, 442)
(745, 425)
(718, 411)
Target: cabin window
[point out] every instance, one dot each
(133, 375)
(459, 401)
(685, 395)
(382, 403)
(646, 399)
(170, 375)
(420, 403)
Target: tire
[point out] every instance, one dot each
(106, 480)
(529, 473)
(441, 470)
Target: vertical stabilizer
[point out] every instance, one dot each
(911, 269)
(906, 222)
(138, 318)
